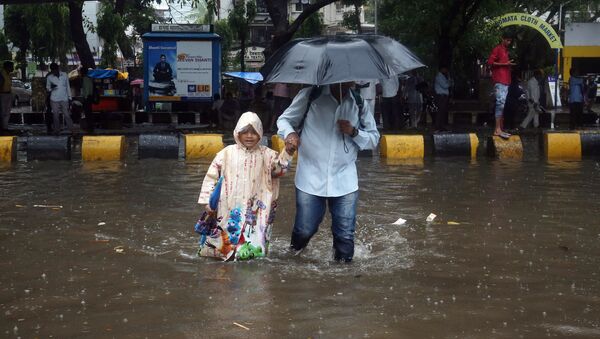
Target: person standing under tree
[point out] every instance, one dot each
(501, 64)
(57, 84)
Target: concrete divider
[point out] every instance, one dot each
(202, 145)
(48, 147)
(562, 146)
(8, 149)
(402, 146)
(590, 144)
(456, 144)
(102, 147)
(511, 148)
(162, 146)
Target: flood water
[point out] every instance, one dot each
(513, 253)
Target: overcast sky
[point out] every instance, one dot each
(179, 12)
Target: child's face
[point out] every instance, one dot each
(249, 138)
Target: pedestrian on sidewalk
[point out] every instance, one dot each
(87, 93)
(533, 100)
(390, 111)
(5, 94)
(414, 98)
(576, 98)
(501, 64)
(441, 87)
(57, 84)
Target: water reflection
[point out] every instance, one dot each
(514, 246)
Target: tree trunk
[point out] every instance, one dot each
(283, 30)
(78, 34)
(125, 46)
(242, 54)
(357, 17)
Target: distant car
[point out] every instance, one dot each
(20, 93)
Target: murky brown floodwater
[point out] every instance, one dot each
(521, 262)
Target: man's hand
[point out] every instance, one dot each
(346, 127)
(292, 141)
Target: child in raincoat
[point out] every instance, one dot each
(249, 191)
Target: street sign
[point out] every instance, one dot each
(128, 63)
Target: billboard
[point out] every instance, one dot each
(179, 70)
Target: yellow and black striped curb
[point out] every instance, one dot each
(511, 148)
(571, 146)
(101, 148)
(8, 149)
(402, 146)
(453, 144)
(556, 145)
(48, 147)
(202, 145)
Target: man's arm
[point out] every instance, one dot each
(292, 116)
(365, 135)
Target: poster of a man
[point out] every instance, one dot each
(162, 70)
(164, 73)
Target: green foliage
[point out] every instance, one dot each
(312, 26)
(352, 18)
(239, 22)
(223, 29)
(4, 52)
(109, 26)
(41, 29)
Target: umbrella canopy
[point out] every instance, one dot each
(335, 59)
(251, 77)
(137, 82)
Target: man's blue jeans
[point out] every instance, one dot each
(310, 210)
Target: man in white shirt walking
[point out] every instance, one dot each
(333, 131)
(57, 84)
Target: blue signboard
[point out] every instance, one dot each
(181, 66)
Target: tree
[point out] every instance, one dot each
(239, 20)
(4, 52)
(352, 18)
(42, 30)
(283, 29)
(78, 34)
(312, 26)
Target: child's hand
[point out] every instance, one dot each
(290, 149)
(208, 209)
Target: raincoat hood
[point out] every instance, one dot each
(248, 118)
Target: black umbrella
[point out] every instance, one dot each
(336, 59)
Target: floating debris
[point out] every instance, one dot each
(430, 217)
(119, 249)
(101, 223)
(49, 206)
(400, 221)
(242, 326)
(453, 223)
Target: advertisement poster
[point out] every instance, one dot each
(179, 70)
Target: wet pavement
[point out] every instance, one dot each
(96, 250)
